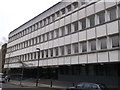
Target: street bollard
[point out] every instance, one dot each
(73, 84)
(51, 84)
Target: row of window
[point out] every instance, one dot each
(75, 48)
(65, 30)
(47, 20)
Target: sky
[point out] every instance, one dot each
(14, 13)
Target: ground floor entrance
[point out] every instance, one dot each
(108, 74)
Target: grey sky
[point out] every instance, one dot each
(14, 13)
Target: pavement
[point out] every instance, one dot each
(59, 85)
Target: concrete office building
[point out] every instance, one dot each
(0, 61)
(78, 41)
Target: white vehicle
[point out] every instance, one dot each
(2, 78)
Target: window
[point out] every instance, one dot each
(51, 52)
(112, 13)
(115, 41)
(49, 20)
(35, 55)
(46, 53)
(48, 36)
(84, 46)
(33, 27)
(43, 36)
(75, 48)
(93, 45)
(53, 18)
(58, 14)
(83, 2)
(103, 43)
(101, 17)
(83, 23)
(57, 33)
(39, 38)
(92, 20)
(36, 26)
(44, 22)
(69, 8)
(52, 34)
(42, 52)
(63, 11)
(62, 50)
(68, 49)
(75, 25)
(56, 51)
(68, 28)
(62, 31)
(75, 4)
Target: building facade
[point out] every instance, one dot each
(0, 61)
(78, 41)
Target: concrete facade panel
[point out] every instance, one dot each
(67, 60)
(101, 30)
(99, 6)
(103, 57)
(92, 58)
(110, 4)
(82, 35)
(74, 59)
(91, 33)
(74, 38)
(113, 56)
(81, 14)
(74, 16)
(112, 28)
(60, 61)
(82, 59)
(61, 41)
(90, 10)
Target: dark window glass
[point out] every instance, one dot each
(76, 49)
(53, 18)
(68, 47)
(62, 31)
(56, 51)
(44, 22)
(83, 2)
(83, 23)
(42, 54)
(43, 37)
(51, 52)
(58, 14)
(48, 36)
(52, 34)
(92, 21)
(63, 11)
(75, 4)
(93, 45)
(62, 50)
(68, 29)
(103, 43)
(101, 17)
(75, 24)
(112, 13)
(57, 32)
(84, 47)
(46, 53)
(35, 55)
(115, 41)
(69, 8)
(49, 20)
